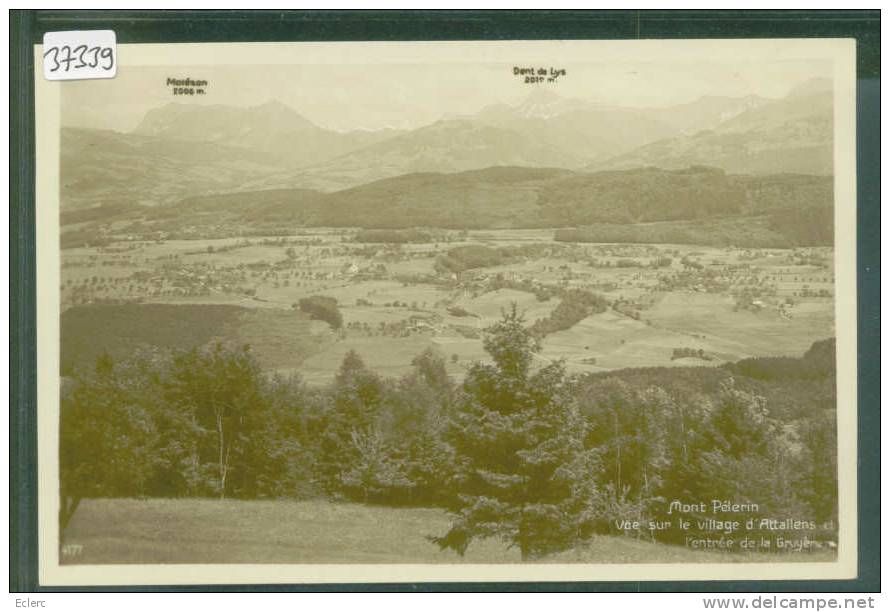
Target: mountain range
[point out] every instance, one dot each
(550, 156)
(794, 134)
(543, 130)
(272, 128)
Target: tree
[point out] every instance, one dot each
(376, 470)
(354, 408)
(383, 442)
(430, 367)
(221, 388)
(739, 453)
(412, 419)
(105, 433)
(818, 469)
(524, 475)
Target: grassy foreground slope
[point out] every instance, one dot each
(213, 531)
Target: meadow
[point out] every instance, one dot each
(280, 338)
(233, 531)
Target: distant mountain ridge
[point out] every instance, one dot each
(219, 123)
(605, 131)
(181, 150)
(272, 127)
(454, 145)
(793, 134)
(106, 168)
(547, 130)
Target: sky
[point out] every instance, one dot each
(404, 95)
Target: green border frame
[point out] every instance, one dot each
(27, 28)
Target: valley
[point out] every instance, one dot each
(667, 304)
(628, 237)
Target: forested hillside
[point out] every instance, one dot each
(697, 205)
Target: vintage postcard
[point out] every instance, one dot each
(448, 311)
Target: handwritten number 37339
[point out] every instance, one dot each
(80, 56)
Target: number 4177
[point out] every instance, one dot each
(72, 550)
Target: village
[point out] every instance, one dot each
(675, 299)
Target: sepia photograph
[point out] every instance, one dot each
(525, 309)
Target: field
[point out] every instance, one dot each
(279, 338)
(715, 304)
(213, 531)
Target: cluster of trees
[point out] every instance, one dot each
(393, 236)
(208, 422)
(536, 457)
(683, 352)
(655, 449)
(575, 305)
(460, 259)
(322, 308)
(803, 227)
(627, 263)
(817, 363)
(542, 291)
